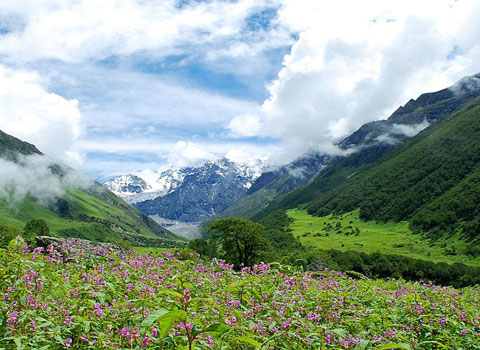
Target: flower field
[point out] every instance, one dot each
(177, 301)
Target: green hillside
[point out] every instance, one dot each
(94, 213)
(431, 182)
(11, 147)
(428, 171)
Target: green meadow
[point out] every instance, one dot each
(348, 232)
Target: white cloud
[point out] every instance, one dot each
(356, 62)
(245, 125)
(80, 30)
(352, 62)
(32, 176)
(409, 130)
(29, 112)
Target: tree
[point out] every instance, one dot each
(241, 240)
(33, 228)
(200, 246)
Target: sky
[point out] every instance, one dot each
(137, 86)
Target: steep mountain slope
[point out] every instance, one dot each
(274, 183)
(375, 140)
(203, 192)
(11, 147)
(87, 211)
(424, 180)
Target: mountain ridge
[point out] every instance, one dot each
(368, 148)
(91, 212)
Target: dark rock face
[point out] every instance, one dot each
(203, 192)
(290, 176)
(75, 248)
(426, 109)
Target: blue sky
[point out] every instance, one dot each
(130, 86)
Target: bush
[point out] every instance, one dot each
(7, 233)
(34, 228)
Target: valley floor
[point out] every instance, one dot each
(189, 230)
(348, 232)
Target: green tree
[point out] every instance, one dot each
(241, 240)
(200, 246)
(33, 228)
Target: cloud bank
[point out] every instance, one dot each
(355, 62)
(32, 176)
(133, 85)
(28, 111)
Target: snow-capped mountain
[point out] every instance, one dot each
(188, 194)
(127, 185)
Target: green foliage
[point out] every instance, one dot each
(241, 240)
(141, 302)
(377, 265)
(34, 228)
(7, 233)
(202, 247)
(120, 242)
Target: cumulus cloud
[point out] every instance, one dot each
(76, 31)
(29, 112)
(245, 125)
(32, 176)
(355, 62)
(350, 62)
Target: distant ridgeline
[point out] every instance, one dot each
(431, 179)
(87, 211)
(309, 178)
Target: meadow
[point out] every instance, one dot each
(347, 232)
(125, 300)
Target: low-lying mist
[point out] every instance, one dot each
(38, 176)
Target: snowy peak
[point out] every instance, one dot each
(127, 185)
(169, 180)
(134, 189)
(195, 194)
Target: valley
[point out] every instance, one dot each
(239, 175)
(348, 232)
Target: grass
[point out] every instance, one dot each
(348, 232)
(152, 251)
(102, 215)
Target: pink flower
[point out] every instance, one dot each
(68, 342)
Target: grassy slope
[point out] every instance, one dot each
(388, 237)
(95, 214)
(415, 173)
(103, 214)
